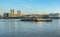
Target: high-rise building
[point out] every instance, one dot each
(19, 11)
(11, 14)
(12, 10)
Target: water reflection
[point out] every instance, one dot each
(17, 28)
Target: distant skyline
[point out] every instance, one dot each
(30, 6)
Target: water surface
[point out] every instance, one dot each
(17, 28)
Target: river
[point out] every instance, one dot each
(17, 28)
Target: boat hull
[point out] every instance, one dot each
(35, 19)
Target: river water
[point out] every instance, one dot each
(17, 28)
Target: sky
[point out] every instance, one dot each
(30, 6)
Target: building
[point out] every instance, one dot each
(12, 10)
(19, 13)
(13, 14)
(54, 15)
(5, 15)
(59, 14)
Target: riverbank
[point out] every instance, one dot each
(27, 17)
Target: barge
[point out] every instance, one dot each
(35, 19)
